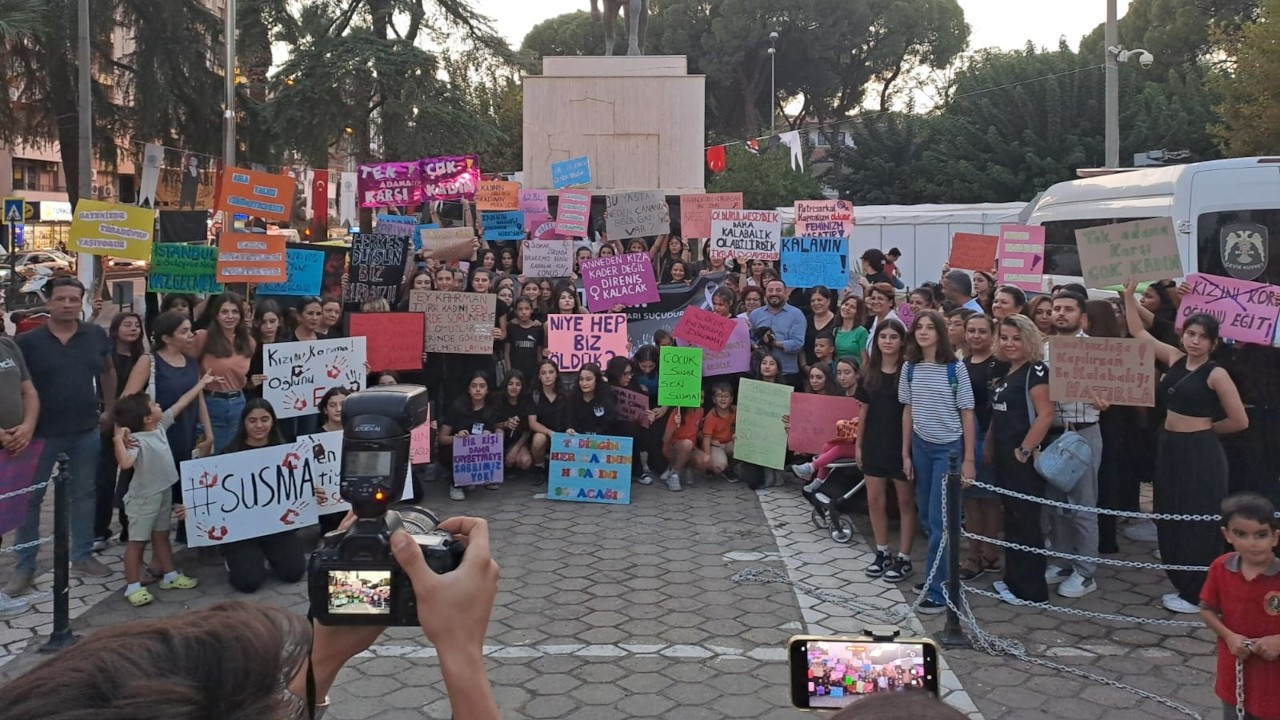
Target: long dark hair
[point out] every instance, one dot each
(600, 391)
(614, 369)
(264, 307)
(1102, 319)
(215, 343)
(943, 353)
(167, 324)
(275, 437)
(136, 348)
(514, 374)
(872, 375)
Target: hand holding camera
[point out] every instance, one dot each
(454, 607)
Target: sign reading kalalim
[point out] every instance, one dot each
(182, 268)
(124, 231)
(746, 234)
(637, 214)
(1142, 250)
(824, 218)
(452, 177)
(809, 261)
(389, 183)
(1021, 256)
(695, 211)
(590, 468)
(300, 373)
(574, 340)
(256, 194)
(625, 280)
(1119, 371)
(1246, 311)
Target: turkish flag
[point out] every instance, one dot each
(319, 205)
(715, 159)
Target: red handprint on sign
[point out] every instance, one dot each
(288, 516)
(336, 369)
(207, 480)
(215, 533)
(291, 460)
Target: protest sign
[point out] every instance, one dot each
(123, 231)
(1021, 256)
(906, 314)
(257, 194)
(389, 183)
(813, 420)
(810, 261)
(1246, 311)
(542, 228)
(618, 280)
(377, 267)
(574, 340)
(643, 321)
(17, 472)
(745, 234)
(573, 213)
(503, 226)
(251, 257)
(567, 173)
(590, 468)
(477, 459)
(447, 244)
(304, 275)
(395, 339)
(632, 406)
(420, 442)
(637, 214)
(451, 177)
(1142, 250)
(1120, 371)
(680, 376)
(459, 322)
(403, 225)
(695, 211)
(326, 452)
(548, 258)
(824, 218)
(761, 438)
(704, 329)
(498, 195)
(533, 202)
(182, 268)
(248, 494)
(300, 373)
(970, 251)
(736, 355)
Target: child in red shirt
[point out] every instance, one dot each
(718, 433)
(679, 443)
(1240, 603)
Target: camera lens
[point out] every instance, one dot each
(418, 520)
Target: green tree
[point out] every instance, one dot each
(573, 33)
(19, 18)
(1250, 107)
(765, 181)
(880, 169)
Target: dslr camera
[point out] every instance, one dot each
(353, 578)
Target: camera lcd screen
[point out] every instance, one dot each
(840, 672)
(366, 463)
(360, 592)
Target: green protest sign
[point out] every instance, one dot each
(680, 377)
(180, 268)
(1142, 249)
(761, 438)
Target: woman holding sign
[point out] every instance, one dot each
(1190, 465)
(549, 413)
(471, 414)
(225, 350)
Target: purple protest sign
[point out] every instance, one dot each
(736, 355)
(17, 473)
(632, 406)
(1246, 311)
(1020, 256)
(477, 459)
(450, 177)
(533, 203)
(625, 280)
(573, 213)
(392, 183)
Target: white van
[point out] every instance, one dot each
(1209, 203)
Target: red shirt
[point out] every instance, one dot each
(1252, 609)
(690, 420)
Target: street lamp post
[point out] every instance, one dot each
(1112, 71)
(773, 85)
(229, 114)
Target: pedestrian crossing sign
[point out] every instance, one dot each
(14, 210)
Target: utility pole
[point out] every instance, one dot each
(1112, 71)
(86, 267)
(773, 82)
(229, 114)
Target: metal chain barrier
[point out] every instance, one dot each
(1068, 556)
(1083, 613)
(1097, 510)
(23, 546)
(25, 490)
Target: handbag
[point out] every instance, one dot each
(1066, 460)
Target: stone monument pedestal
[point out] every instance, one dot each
(640, 120)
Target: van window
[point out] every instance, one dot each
(1060, 254)
(1210, 236)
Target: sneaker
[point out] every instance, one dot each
(673, 482)
(1005, 593)
(1055, 575)
(972, 571)
(181, 582)
(813, 486)
(666, 474)
(918, 587)
(728, 476)
(91, 567)
(9, 607)
(645, 479)
(899, 570)
(19, 584)
(1173, 602)
(1144, 531)
(457, 493)
(493, 486)
(877, 566)
(1077, 586)
(804, 472)
(99, 544)
(929, 607)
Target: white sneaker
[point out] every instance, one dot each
(9, 607)
(813, 486)
(1055, 575)
(457, 493)
(1156, 554)
(666, 474)
(1077, 586)
(1144, 531)
(804, 472)
(673, 482)
(1173, 602)
(1005, 593)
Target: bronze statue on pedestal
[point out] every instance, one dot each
(637, 16)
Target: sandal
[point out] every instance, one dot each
(992, 565)
(181, 582)
(139, 597)
(971, 569)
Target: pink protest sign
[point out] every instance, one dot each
(1246, 311)
(704, 329)
(573, 213)
(533, 203)
(16, 473)
(451, 177)
(625, 280)
(574, 340)
(1021, 256)
(420, 442)
(813, 419)
(906, 314)
(542, 228)
(824, 218)
(736, 355)
(632, 406)
(392, 183)
(695, 211)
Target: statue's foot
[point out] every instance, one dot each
(633, 51)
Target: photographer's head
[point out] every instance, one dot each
(908, 705)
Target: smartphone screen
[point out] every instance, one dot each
(830, 673)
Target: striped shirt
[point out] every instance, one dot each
(935, 402)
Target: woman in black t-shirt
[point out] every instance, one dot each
(471, 414)
(547, 414)
(511, 414)
(1014, 436)
(525, 340)
(982, 510)
(591, 406)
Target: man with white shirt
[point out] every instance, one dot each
(957, 286)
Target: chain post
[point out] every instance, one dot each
(952, 635)
(61, 637)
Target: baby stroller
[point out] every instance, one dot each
(833, 500)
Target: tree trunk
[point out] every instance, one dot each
(63, 96)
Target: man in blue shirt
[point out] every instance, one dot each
(957, 286)
(787, 326)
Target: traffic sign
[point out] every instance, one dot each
(14, 210)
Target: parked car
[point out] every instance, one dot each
(27, 261)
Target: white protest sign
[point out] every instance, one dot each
(746, 234)
(548, 258)
(326, 451)
(300, 373)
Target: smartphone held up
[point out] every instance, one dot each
(832, 672)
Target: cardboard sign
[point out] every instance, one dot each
(326, 452)
(257, 194)
(680, 376)
(533, 202)
(403, 225)
(252, 257)
(451, 177)
(377, 267)
(420, 442)
(300, 373)
(1120, 371)
(574, 340)
(567, 173)
(637, 214)
(544, 228)
(973, 252)
(745, 234)
(548, 258)
(632, 406)
(1246, 311)
(304, 274)
(447, 244)
(503, 226)
(17, 472)
(390, 183)
(395, 339)
(1143, 250)
(123, 231)
(813, 420)
(810, 261)
(459, 322)
(695, 211)
(824, 218)
(625, 280)
(1021, 256)
(182, 268)
(477, 459)
(590, 469)
(573, 213)
(906, 314)
(498, 195)
(761, 438)
(704, 329)
(736, 355)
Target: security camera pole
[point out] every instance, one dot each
(1112, 71)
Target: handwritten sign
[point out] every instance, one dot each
(761, 437)
(1120, 371)
(574, 340)
(680, 377)
(403, 225)
(704, 329)
(498, 195)
(447, 244)
(420, 442)
(377, 267)
(124, 231)
(632, 406)
(503, 226)
(17, 472)
(1143, 250)
(745, 234)
(459, 322)
(257, 194)
(695, 211)
(590, 469)
(544, 228)
(810, 261)
(1021, 256)
(813, 420)
(619, 280)
(477, 459)
(970, 251)
(300, 373)
(326, 454)
(182, 268)
(573, 213)
(574, 171)
(533, 202)
(1246, 311)
(395, 339)
(304, 276)
(637, 214)
(736, 355)
(824, 218)
(250, 257)
(389, 183)
(548, 258)
(451, 177)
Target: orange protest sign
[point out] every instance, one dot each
(262, 195)
(970, 251)
(498, 195)
(252, 257)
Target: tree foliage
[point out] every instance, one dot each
(1250, 107)
(765, 181)
(574, 33)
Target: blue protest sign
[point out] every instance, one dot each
(505, 225)
(590, 468)
(306, 270)
(567, 173)
(809, 261)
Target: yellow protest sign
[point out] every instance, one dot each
(123, 231)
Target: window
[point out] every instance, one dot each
(822, 137)
(1060, 254)
(26, 174)
(1210, 236)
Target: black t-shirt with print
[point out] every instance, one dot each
(1010, 419)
